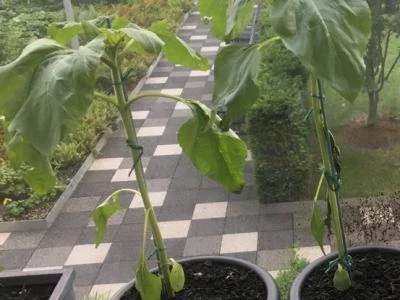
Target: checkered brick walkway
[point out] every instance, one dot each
(197, 217)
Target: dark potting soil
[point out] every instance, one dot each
(26, 292)
(375, 276)
(215, 281)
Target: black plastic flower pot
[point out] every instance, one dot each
(374, 272)
(271, 289)
(49, 284)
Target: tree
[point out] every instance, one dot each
(385, 26)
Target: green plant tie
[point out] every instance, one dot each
(308, 114)
(136, 148)
(124, 79)
(333, 263)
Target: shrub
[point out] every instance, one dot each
(285, 278)
(277, 132)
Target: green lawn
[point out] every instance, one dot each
(369, 172)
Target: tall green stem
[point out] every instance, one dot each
(320, 126)
(126, 116)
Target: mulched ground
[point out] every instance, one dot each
(375, 276)
(213, 281)
(385, 134)
(26, 292)
(372, 221)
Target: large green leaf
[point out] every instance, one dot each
(177, 275)
(64, 32)
(44, 94)
(143, 40)
(236, 68)
(341, 279)
(229, 17)
(318, 226)
(176, 50)
(219, 155)
(329, 37)
(103, 212)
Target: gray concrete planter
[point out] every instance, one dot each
(296, 289)
(272, 289)
(62, 278)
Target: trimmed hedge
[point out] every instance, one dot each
(277, 132)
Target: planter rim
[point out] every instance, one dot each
(63, 288)
(295, 290)
(272, 289)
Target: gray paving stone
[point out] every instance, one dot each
(304, 238)
(164, 68)
(81, 204)
(275, 222)
(212, 195)
(134, 216)
(156, 121)
(127, 233)
(160, 113)
(182, 113)
(117, 272)
(241, 224)
(15, 259)
(302, 219)
(115, 148)
(173, 128)
(175, 247)
(185, 183)
(60, 237)
(178, 198)
(168, 139)
(248, 256)
(180, 81)
(195, 84)
(272, 260)
(202, 245)
(23, 240)
(242, 208)
(89, 189)
(124, 251)
(98, 176)
(85, 275)
(186, 170)
(162, 167)
(206, 227)
(45, 257)
(207, 183)
(176, 212)
(72, 220)
(158, 185)
(127, 162)
(179, 74)
(248, 193)
(177, 121)
(194, 93)
(280, 239)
